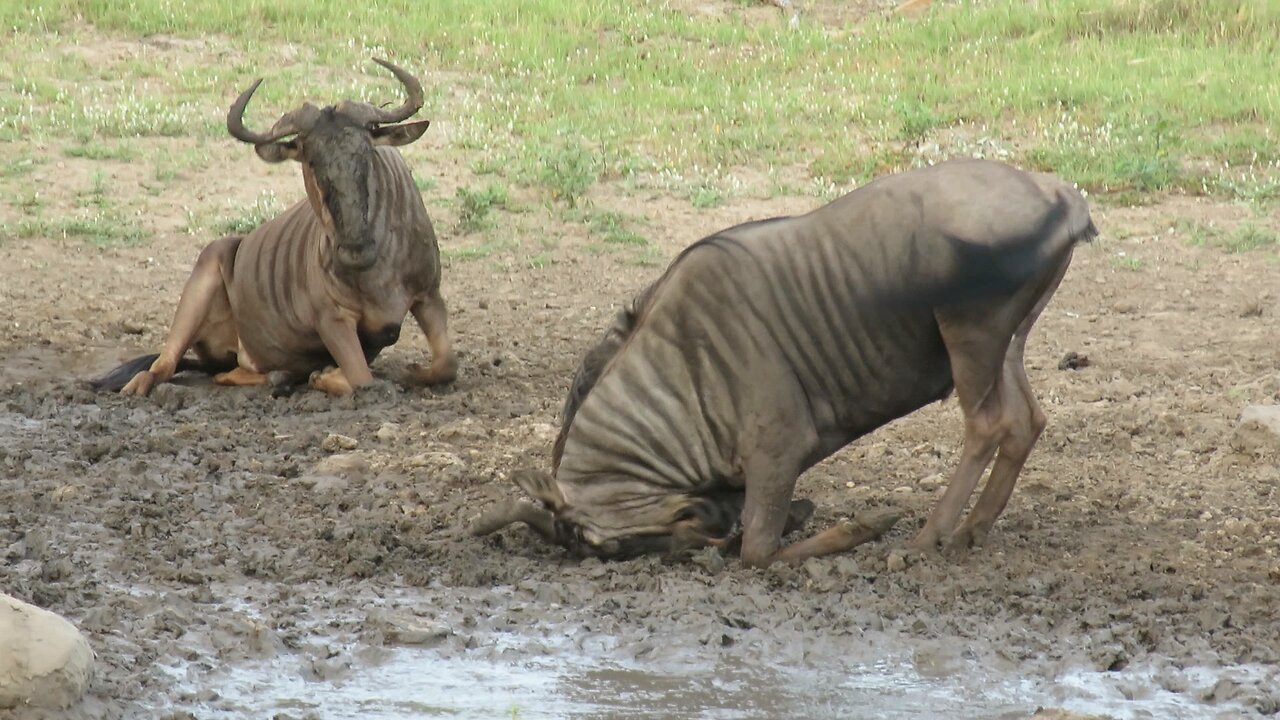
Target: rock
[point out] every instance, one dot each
(388, 432)
(44, 660)
(343, 465)
(1258, 432)
(335, 442)
(1073, 361)
(896, 562)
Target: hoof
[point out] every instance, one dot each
(435, 374)
(964, 538)
(140, 385)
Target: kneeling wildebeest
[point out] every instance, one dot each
(328, 281)
(769, 346)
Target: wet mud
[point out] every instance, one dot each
(205, 529)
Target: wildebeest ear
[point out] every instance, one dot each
(539, 486)
(399, 134)
(278, 151)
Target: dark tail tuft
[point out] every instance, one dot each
(115, 380)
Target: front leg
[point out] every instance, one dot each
(338, 333)
(433, 318)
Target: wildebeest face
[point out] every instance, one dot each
(612, 522)
(336, 147)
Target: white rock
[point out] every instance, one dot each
(335, 442)
(346, 465)
(44, 660)
(1258, 431)
(388, 432)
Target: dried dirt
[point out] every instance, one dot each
(206, 525)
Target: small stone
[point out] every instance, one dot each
(896, 562)
(1073, 361)
(388, 432)
(335, 442)
(1258, 432)
(344, 465)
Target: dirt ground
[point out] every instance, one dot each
(206, 525)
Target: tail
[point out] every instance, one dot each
(116, 379)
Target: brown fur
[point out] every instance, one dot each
(769, 346)
(330, 280)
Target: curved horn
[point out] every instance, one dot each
(412, 104)
(235, 121)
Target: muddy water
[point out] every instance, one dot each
(561, 671)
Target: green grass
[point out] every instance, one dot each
(611, 228)
(474, 207)
(245, 220)
(1126, 262)
(93, 150)
(1130, 98)
(1245, 237)
(102, 229)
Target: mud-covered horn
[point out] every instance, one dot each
(412, 104)
(514, 511)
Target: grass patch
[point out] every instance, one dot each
(1126, 97)
(102, 151)
(424, 182)
(102, 229)
(1126, 262)
(611, 228)
(475, 206)
(466, 253)
(264, 208)
(1246, 237)
(705, 194)
(568, 170)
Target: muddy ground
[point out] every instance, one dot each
(204, 526)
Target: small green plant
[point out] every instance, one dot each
(568, 171)
(916, 119)
(1194, 233)
(96, 195)
(475, 205)
(262, 210)
(541, 260)
(611, 228)
(1248, 237)
(1126, 262)
(31, 204)
(424, 182)
(102, 229)
(705, 195)
(101, 151)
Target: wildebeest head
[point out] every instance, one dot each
(335, 146)
(618, 519)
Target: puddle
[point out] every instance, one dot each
(510, 676)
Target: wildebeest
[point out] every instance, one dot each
(768, 346)
(328, 281)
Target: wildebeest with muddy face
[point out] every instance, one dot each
(328, 281)
(769, 346)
